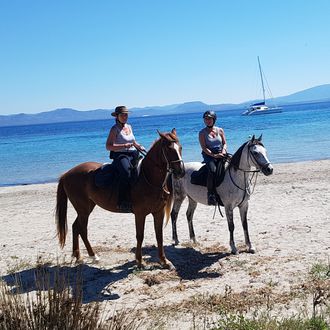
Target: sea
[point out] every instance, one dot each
(41, 153)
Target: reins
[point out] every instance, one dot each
(154, 186)
(247, 181)
(169, 170)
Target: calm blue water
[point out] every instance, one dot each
(40, 153)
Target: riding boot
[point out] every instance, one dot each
(211, 198)
(124, 202)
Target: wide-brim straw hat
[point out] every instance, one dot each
(120, 110)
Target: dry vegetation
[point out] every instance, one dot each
(56, 303)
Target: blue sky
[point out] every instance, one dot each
(98, 54)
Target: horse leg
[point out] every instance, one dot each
(79, 227)
(139, 227)
(174, 216)
(158, 224)
(75, 240)
(84, 237)
(190, 214)
(231, 227)
(243, 213)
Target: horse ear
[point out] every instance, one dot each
(253, 138)
(162, 135)
(173, 131)
(260, 138)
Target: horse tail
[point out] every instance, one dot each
(61, 212)
(169, 201)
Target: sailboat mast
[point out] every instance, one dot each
(262, 80)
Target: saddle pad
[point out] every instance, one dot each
(105, 175)
(200, 177)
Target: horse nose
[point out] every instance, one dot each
(269, 170)
(183, 170)
(180, 172)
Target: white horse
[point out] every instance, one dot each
(234, 191)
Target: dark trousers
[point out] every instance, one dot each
(215, 168)
(125, 165)
(212, 168)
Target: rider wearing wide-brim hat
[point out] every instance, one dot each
(124, 151)
(121, 109)
(214, 147)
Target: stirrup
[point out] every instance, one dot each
(211, 199)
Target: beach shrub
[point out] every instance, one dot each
(239, 322)
(55, 303)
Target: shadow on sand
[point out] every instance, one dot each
(190, 264)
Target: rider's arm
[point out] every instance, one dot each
(206, 150)
(111, 145)
(224, 142)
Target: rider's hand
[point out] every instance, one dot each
(128, 145)
(219, 155)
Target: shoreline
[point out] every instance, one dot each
(55, 181)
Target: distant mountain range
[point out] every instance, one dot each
(314, 94)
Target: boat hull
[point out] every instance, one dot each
(255, 112)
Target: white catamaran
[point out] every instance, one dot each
(261, 108)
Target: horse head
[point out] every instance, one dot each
(172, 152)
(258, 155)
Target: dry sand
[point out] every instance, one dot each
(289, 222)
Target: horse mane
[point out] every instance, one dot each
(169, 201)
(153, 143)
(237, 156)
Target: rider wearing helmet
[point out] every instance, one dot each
(214, 147)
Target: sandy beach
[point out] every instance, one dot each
(289, 223)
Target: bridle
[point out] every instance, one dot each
(249, 181)
(169, 170)
(255, 161)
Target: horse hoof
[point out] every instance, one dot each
(79, 261)
(235, 252)
(168, 265)
(140, 265)
(252, 250)
(175, 242)
(95, 259)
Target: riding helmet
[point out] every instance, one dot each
(210, 114)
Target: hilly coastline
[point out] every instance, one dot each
(314, 94)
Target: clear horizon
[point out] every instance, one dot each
(85, 55)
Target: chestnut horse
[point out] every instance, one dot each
(148, 195)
